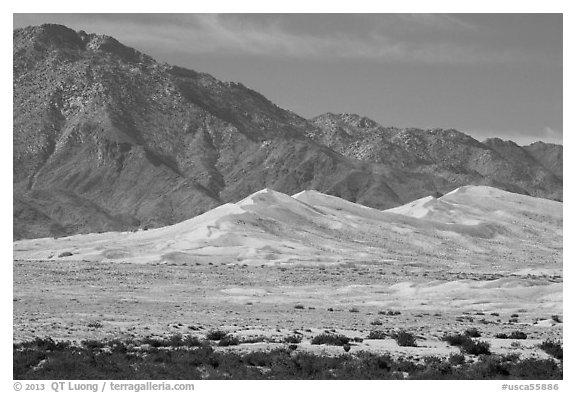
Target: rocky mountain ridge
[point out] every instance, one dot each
(106, 138)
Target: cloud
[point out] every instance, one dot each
(552, 132)
(273, 37)
(423, 38)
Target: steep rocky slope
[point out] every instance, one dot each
(548, 155)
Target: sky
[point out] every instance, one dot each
(488, 75)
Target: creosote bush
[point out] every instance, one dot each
(376, 335)
(553, 348)
(473, 332)
(228, 340)
(405, 339)
(330, 339)
(48, 360)
(293, 339)
(518, 335)
(467, 345)
(216, 335)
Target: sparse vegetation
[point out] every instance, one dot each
(518, 335)
(330, 339)
(456, 359)
(48, 360)
(299, 307)
(228, 340)
(377, 335)
(473, 332)
(476, 347)
(216, 335)
(553, 348)
(467, 345)
(405, 339)
(293, 339)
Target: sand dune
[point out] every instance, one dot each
(472, 227)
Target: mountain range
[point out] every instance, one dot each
(105, 138)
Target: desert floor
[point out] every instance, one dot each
(76, 300)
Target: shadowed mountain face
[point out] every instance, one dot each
(106, 138)
(548, 155)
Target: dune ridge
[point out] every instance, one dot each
(472, 227)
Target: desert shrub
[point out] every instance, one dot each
(405, 339)
(330, 339)
(293, 339)
(376, 335)
(253, 340)
(476, 347)
(511, 357)
(153, 342)
(292, 347)
(514, 315)
(456, 359)
(495, 314)
(190, 341)
(95, 325)
(556, 318)
(518, 335)
(31, 360)
(228, 340)
(532, 368)
(93, 344)
(354, 309)
(472, 332)
(552, 348)
(456, 339)
(175, 341)
(215, 335)
(45, 344)
(346, 347)
(467, 345)
(299, 307)
(65, 254)
(376, 323)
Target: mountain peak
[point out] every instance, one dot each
(58, 37)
